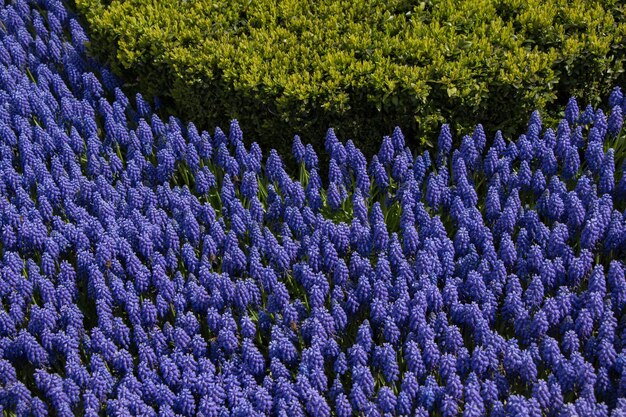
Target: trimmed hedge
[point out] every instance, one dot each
(285, 68)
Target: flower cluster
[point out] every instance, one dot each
(152, 269)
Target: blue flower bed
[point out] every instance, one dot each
(151, 269)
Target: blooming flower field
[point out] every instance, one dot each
(151, 269)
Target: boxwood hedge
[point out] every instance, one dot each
(361, 66)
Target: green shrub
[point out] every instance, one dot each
(361, 66)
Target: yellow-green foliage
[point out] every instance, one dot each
(361, 66)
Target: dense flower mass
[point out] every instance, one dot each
(152, 269)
